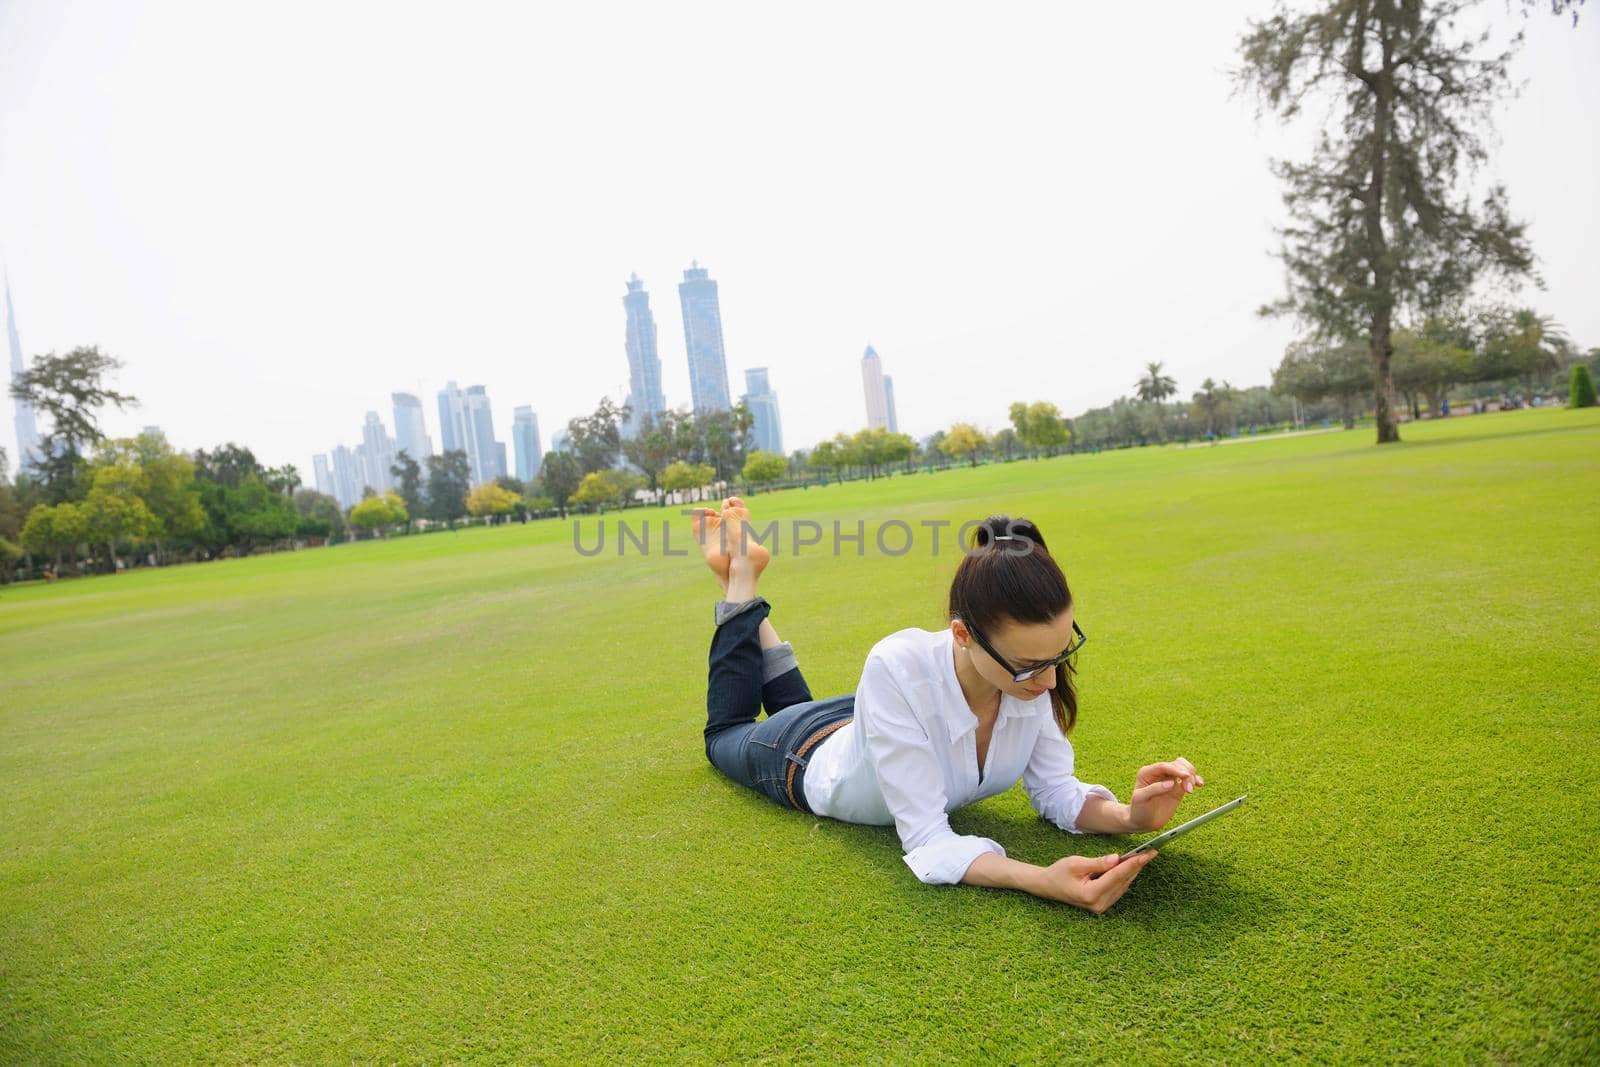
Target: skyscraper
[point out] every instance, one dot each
(644, 362)
(872, 382)
(410, 429)
(466, 425)
(763, 405)
(525, 442)
(347, 480)
(28, 448)
(702, 337)
(377, 453)
(323, 474)
(888, 403)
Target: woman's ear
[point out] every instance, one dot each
(959, 630)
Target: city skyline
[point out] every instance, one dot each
(645, 398)
(702, 340)
(121, 230)
(27, 429)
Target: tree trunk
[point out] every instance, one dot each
(1380, 344)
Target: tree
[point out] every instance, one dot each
(284, 479)
(1005, 442)
(824, 458)
(764, 467)
(597, 438)
(378, 513)
(1427, 364)
(164, 479)
(449, 480)
(559, 475)
(113, 513)
(408, 479)
(491, 499)
(1046, 428)
(653, 447)
(69, 390)
(1155, 387)
(607, 487)
(963, 439)
(1379, 226)
(1580, 393)
(320, 515)
(51, 530)
(1311, 373)
(682, 475)
(228, 465)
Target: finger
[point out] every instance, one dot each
(1090, 866)
(1193, 771)
(1171, 769)
(1108, 890)
(1155, 789)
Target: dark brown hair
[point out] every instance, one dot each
(1008, 575)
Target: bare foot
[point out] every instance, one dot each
(706, 525)
(741, 537)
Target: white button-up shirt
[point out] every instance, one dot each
(910, 757)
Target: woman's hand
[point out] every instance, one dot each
(1158, 790)
(1091, 884)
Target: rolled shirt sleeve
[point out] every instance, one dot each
(911, 779)
(1048, 780)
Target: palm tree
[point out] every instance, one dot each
(1207, 400)
(1155, 387)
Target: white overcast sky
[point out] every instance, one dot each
(277, 214)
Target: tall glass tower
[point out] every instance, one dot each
(466, 425)
(644, 362)
(28, 450)
(702, 337)
(525, 442)
(763, 404)
(410, 430)
(877, 395)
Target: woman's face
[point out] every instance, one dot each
(1022, 645)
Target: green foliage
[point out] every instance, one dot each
(449, 481)
(681, 475)
(408, 480)
(761, 467)
(378, 513)
(560, 474)
(53, 530)
(614, 486)
(491, 499)
(1382, 221)
(1580, 394)
(963, 439)
(69, 391)
(320, 515)
(597, 438)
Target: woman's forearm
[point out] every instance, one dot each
(1102, 816)
(995, 871)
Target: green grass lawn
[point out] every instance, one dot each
(444, 797)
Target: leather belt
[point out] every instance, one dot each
(797, 760)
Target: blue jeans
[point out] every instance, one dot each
(769, 756)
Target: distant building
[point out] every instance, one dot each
(877, 396)
(763, 405)
(410, 429)
(29, 449)
(561, 441)
(153, 431)
(323, 474)
(525, 442)
(347, 479)
(888, 402)
(644, 361)
(466, 425)
(702, 338)
(377, 453)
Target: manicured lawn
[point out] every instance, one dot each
(443, 798)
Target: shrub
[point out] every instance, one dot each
(1581, 395)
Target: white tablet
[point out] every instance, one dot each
(1179, 831)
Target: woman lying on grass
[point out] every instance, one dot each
(940, 719)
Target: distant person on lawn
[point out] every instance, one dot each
(940, 719)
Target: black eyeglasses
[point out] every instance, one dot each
(1034, 671)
